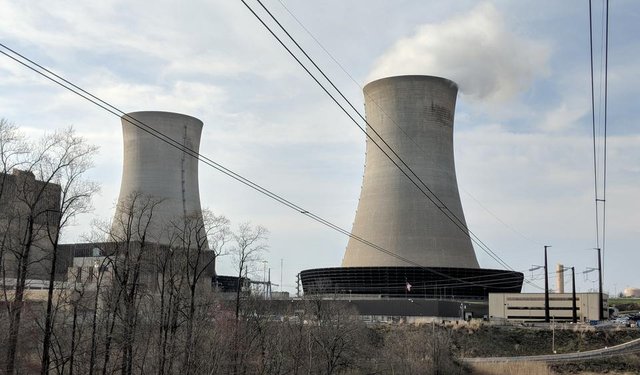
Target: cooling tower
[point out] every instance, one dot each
(414, 115)
(154, 170)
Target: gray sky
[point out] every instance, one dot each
(523, 121)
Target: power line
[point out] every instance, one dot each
(372, 100)
(599, 128)
(604, 172)
(593, 125)
(431, 196)
(66, 84)
(440, 205)
(514, 230)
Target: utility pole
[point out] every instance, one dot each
(269, 285)
(573, 305)
(281, 264)
(600, 298)
(264, 278)
(546, 286)
(553, 335)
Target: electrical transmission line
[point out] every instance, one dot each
(404, 168)
(396, 159)
(66, 84)
(599, 128)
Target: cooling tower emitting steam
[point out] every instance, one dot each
(414, 115)
(152, 169)
(431, 255)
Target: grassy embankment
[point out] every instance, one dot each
(478, 340)
(625, 304)
(490, 341)
(626, 365)
(529, 368)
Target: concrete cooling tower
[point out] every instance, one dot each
(434, 257)
(414, 115)
(154, 170)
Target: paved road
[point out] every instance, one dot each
(626, 348)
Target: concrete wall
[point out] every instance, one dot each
(414, 115)
(160, 172)
(435, 310)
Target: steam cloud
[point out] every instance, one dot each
(476, 50)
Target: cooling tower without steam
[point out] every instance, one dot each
(153, 169)
(414, 115)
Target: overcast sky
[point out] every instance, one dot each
(523, 142)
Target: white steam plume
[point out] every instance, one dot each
(476, 50)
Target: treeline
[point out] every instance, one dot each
(318, 337)
(41, 189)
(138, 306)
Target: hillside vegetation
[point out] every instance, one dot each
(493, 341)
(625, 304)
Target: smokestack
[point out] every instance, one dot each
(414, 115)
(560, 277)
(153, 169)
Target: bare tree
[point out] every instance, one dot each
(101, 279)
(13, 151)
(69, 321)
(199, 260)
(123, 287)
(72, 158)
(338, 334)
(35, 217)
(298, 343)
(250, 242)
(170, 283)
(418, 350)
(131, 249)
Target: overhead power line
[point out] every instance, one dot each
(399, 163)
(372, 100)
(593, 126)
(599, 128)
(66, 84)
(604, 167)
(432, 197)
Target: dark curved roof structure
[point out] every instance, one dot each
(425, 282)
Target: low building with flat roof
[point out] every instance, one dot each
(529, 307)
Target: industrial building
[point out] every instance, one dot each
(631, 292)
(409, 282)
(530, 307)
(410, 238)
(91, 261)
(24, 198)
